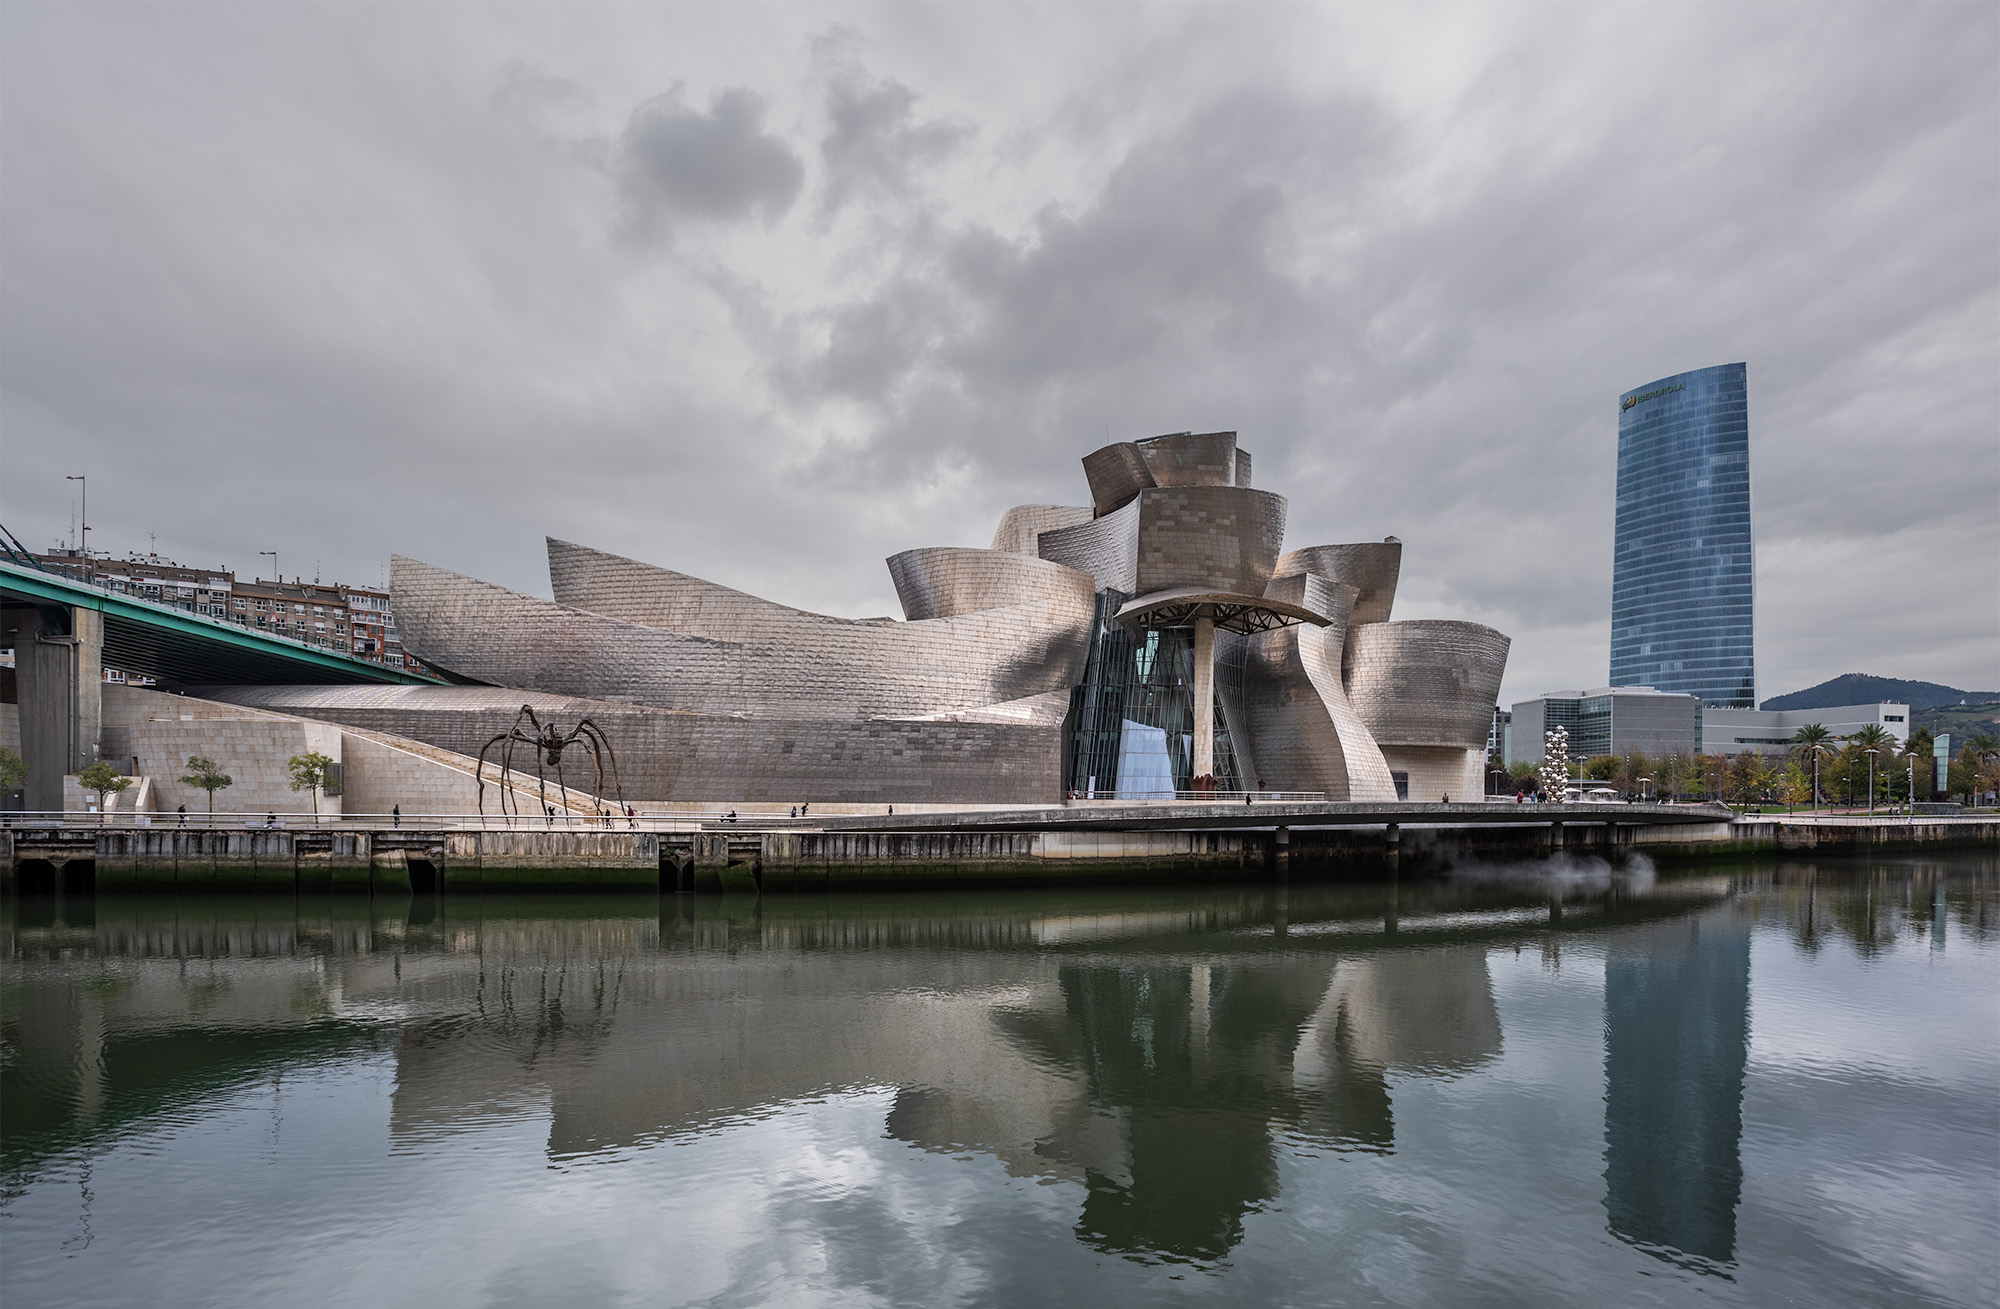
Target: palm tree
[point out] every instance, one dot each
(1872, 740)
(1809, 742)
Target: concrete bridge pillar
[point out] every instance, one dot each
(1555, 836)
(59, 664)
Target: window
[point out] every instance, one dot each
(1892, 718)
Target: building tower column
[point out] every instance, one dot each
(61, 681)
(1204, 696)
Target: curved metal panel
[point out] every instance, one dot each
(1191, 459)
(1427, 682)
(811, 667)
(1219, 538)
(635, 592)
(1303, 734)
(1107, 548)
(1369, 566)
(1116, 474)
(946, 581)
(1021, 525)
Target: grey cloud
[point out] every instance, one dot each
(875, 141)
(302, 275)
(676, 162)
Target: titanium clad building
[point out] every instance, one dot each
(1159, 641)
(1683, 572)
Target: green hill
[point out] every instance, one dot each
(1864, 688)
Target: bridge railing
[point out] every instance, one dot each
(1195, 797)
(32, 820)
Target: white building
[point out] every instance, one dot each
(1770, 731)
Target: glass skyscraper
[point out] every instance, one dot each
(1683, 585)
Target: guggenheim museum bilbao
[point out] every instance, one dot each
(1159, 640)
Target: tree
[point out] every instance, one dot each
(13, 769)
(102, 778)
(1873, 737)
(1976, 771)
(1601, 767)
(1922, 748)
(204, 774)
(1795, 784)
(1807, 737)
(309, 772)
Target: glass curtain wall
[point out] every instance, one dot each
(1132, 719)
(1683, 578)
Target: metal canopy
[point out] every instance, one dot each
(180, 648)
(1180, 606)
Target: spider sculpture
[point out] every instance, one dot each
(547, 744)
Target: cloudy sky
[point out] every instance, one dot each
(767, 294)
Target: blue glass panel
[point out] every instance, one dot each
(1683, 570)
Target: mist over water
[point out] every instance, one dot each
(1559, 1082)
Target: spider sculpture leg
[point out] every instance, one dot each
(600, 750)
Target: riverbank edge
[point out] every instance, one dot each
(153, 861)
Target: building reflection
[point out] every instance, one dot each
(1676, 1037)
(1156, 1056)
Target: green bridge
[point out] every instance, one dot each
(65, 631)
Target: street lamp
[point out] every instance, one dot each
(1871, 752)
(1816, 751)
(89, 573)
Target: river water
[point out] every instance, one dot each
(1545, 1084)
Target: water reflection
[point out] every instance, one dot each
(1164, 1054)
(1676, 1035)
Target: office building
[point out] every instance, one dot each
(1683, 575)
(1609, 720)
(1770, 731)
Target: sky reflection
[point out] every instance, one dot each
(1495, 1089)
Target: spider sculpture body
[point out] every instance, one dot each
(546, 744)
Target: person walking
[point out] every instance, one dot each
(396, 813)
(1447, 797)
(631, 818)
(183, 812)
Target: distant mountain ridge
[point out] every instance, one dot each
(1864, 688)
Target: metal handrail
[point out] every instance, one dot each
(239, 821)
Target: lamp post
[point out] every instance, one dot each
(1871, 752)
(1816, 751)
(89, 573)
(1913, 786)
